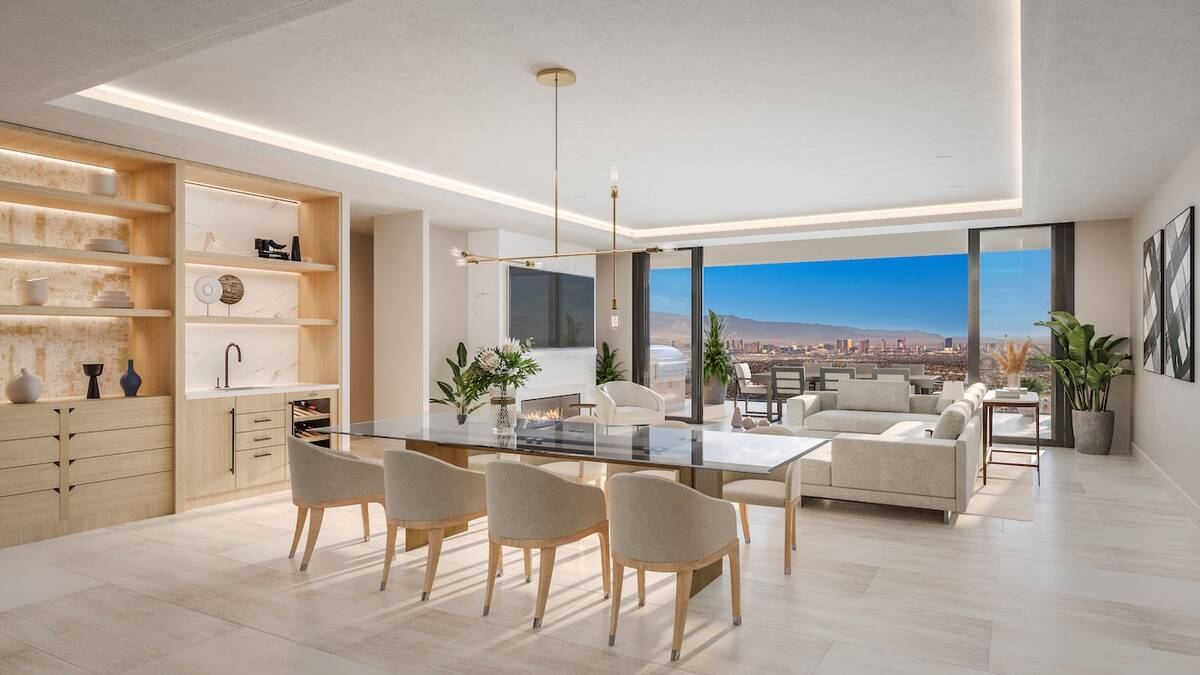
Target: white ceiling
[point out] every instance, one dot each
(715, 112)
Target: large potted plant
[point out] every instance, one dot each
(718, 362)
(503, 369)
(608, 368)
(1086, 372)
(462, 392)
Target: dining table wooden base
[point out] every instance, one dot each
(414, 539)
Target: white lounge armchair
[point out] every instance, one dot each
(628, 404)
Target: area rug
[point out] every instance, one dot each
(1010, 493)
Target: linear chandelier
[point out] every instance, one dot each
(557, 78)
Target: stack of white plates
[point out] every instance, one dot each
(110, 299)
(107, 245)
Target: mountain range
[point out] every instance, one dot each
(678, 325)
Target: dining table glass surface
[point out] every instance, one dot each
(651, 446)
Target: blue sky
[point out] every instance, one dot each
(923, 293)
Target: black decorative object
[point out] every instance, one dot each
(269, 248)
(296, 248)
(131, 381)
(93, 370)
(1178, 321)
(1152, 304)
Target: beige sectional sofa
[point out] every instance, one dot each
(890, 446)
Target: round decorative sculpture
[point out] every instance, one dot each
(207, 289)
(24, 388)
(232, 289)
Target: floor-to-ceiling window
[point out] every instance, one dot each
(667, 328)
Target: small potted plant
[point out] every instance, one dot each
(1086, 373)
(608, 369)
(718, 362)
(503, 369)
(1012, 360)
(463, 392)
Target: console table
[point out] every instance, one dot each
(1028, 399)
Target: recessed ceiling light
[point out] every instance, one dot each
(841, 171)
(941, 157)
(954, 187)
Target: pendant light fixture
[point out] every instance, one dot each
(558, 78)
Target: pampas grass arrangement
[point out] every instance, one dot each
(1012, 358)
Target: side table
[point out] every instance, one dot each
(991, 401)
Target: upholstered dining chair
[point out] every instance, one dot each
(425, 493)
(622, 403)
(529, 507)
(579, 471)
(831, 376)
(779, 489)
(668, 474)
(661, 526)
(324, 478)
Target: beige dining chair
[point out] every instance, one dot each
(577, 470)
(662, 526)
(324, 478)
(779, 489)
(668, 474)
(425, 493)
(529, 507)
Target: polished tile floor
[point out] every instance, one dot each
(1106, 579)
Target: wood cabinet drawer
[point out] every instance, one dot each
(155, 489)
(120, 413)
(268, 419)
(27, 420)
(28, 451)
(118, 441)
(260, 466)
(29, 509)
(124, 465)
(260, 403)
(248, 440)
(28, 479)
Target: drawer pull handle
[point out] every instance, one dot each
(262, 438)
(262, 454)
(260, 420)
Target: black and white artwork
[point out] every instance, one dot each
(1177, 296)
(1152, 304)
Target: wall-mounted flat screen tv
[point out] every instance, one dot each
(553, 309)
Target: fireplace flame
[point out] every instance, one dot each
(544, 415)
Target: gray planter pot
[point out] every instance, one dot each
(1093, 431)
(714, 392)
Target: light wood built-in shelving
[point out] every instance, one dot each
(260, 321)
(69, 200)
(254, 262)
(22, 310)
(69, 255)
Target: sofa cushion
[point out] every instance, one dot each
(874, 395)
(909, 429)
(860, 421)
(814, 467)
(953, 420)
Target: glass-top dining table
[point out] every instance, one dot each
(700, 455)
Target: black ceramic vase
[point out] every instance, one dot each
(296, 248)
(131, 381)
(93, 370)
(462, 419)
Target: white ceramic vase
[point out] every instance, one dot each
(102, 183)
(24, 388)
(33, 292)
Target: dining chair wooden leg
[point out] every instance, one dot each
(618, 572)
(545, 571)
(745, 522)
(641, 574)
(390, 554)
(314, 529)
(431, 560)
(788, 514)
(528, 565)
(494, 554)
(735, 584)
(605, 580)
(366, 516)
(301, 515)
(683, 590)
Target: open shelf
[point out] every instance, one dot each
(259, 321)
(254, 262)
(68, 255)
(69, 200)
(22, 310)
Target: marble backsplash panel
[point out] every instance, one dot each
(55, 348)
(236, 219)
(270, 355)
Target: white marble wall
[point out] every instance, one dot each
(270, 354)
